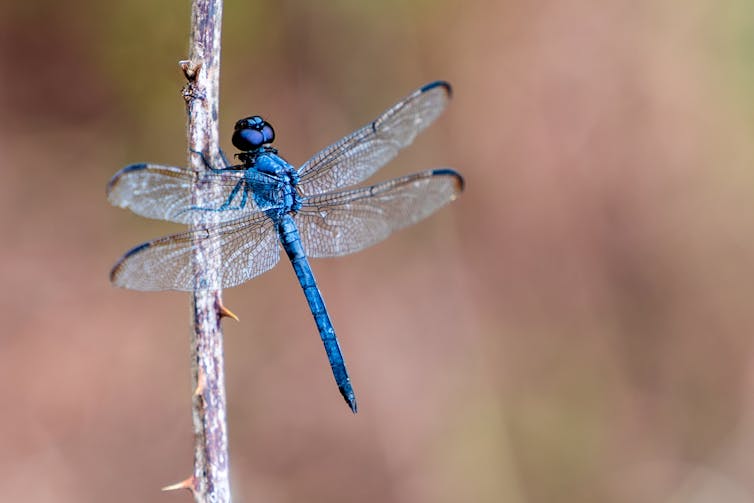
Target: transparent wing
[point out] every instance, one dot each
(348, 221)
(246, 247)
(356, 157)
(164, 193)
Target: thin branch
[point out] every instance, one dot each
(210, 477)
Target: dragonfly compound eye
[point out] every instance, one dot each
(251, 133)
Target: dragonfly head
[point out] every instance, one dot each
(251, 133)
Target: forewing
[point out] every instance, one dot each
(348, 221)
(164, 193)
(245, 247)
(356, 157)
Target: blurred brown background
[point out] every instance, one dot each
(575, 328)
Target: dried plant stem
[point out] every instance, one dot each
(209, 482)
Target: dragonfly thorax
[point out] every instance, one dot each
(273, 181)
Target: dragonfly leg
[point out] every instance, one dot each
(227, 205)
(208, 165)
(225, 159)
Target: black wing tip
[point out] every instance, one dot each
(117, 267)
(438, 83)
(134, 167)
(131, 167)
(460, 182)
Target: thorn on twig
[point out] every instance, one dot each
(190, 69)
(224, 312)
(189, 483)
(201, 383)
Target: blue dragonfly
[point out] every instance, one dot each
(264, 203)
